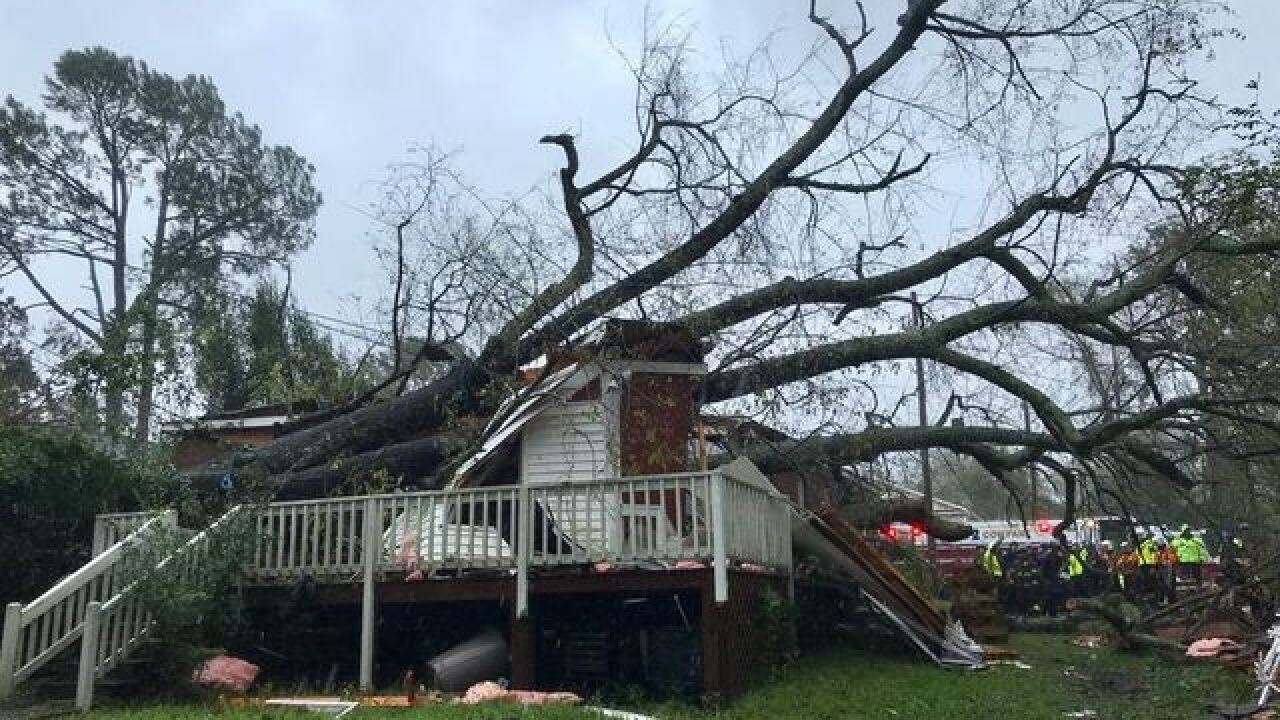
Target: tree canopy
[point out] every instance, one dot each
(151, 189)
(263, 349)
(782, 207)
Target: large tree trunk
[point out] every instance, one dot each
(906, 511)
(147, 387)
(414, 464)
(313, 461)
(150, 300)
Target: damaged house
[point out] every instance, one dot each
(590, 531)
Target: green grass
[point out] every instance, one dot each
(848, 685)
(1063, 678)
(435, 712)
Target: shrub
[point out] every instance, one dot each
(189, 592)
(51, 486)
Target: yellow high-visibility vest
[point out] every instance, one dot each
(1147, 552)
(1075, 563)
(991, 563)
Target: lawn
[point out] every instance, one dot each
(848, 685)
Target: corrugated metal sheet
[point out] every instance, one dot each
(510, 420)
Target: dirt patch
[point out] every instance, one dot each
(35, 709)
(1109, 682)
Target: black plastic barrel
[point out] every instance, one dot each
(483, 657)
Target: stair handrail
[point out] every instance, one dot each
(36, 632)
(115, 627)
(109, 528)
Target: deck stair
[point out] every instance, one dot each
(92, 621)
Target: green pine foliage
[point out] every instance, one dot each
(262, 349)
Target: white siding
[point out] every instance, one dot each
(570, 443)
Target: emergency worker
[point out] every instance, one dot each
(1233, 564)
(1098, 569)
(991, 561)
(1124, 568)
(1027, 586)
(1055, 575)
(1147, 569)
(1076, 562)
(1192, 555)
(1167, 564)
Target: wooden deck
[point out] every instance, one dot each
(729, 632)
(397, 591)
(504, 542)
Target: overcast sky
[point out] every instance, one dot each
(351, 85)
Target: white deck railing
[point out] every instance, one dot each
(111, 528)
(36, 632)
(655, 518)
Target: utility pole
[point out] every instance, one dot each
(1031, 468)
(926, 477)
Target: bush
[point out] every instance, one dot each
(775, 620)
(51, 486)
(189, 593)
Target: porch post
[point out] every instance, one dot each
(371, 541)
(88, 669)
(523, 652)
(719, 557)
(9, 648)
(99, 537)
(712, 622)
(524, 548)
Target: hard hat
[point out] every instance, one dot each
(1185, 528)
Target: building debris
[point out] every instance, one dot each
(335, 707)
(225, 672)
(620, 714)
(489, 691)
(1090, 641)
(1212, 647)
(996, 652)
(827, 534)
(975, 603)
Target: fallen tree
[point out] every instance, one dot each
(906, 511)
(1245, 605)
(689, 228)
